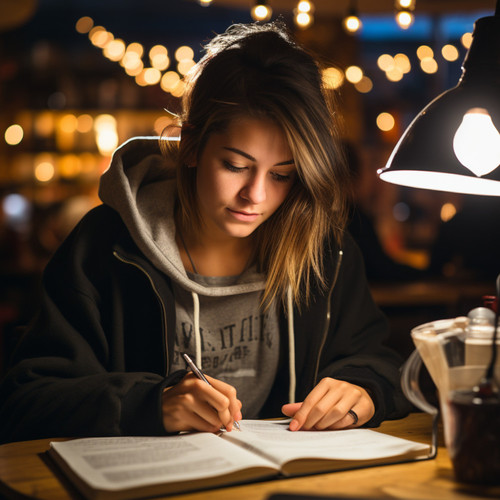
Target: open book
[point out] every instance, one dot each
(133, 467)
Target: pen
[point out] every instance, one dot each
(200, 375)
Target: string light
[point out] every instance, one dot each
(429, 65)
(84, 24)
(261, 11)
(184, 52)
(450, 52)
(364, 86)
(404, 13)
(158, 56)
(385, 62)
(332, 77)
(44, 169)
(466, 39)
(385, 121)
(14, 134)
(305, 6)
(424, 51)
(404, 18)
(448, 211)
(405, 4)
(303, 14)
(394, 74)
(171, 81)
(354, 74)
(402, 62)
(130, 58)
(352, 23)
(114, 50)
(106, 133)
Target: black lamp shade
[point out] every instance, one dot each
(425, 156)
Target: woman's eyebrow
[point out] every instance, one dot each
(250, 157)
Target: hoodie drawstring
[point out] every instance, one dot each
(291, 340)
(197, 335)
(291, 346)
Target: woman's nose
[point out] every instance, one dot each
(254, 190)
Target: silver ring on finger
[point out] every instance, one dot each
(354, 416)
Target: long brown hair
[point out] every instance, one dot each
(259, 71)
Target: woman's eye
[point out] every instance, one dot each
(281, 177)
(232, 168)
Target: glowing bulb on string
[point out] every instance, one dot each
(304, 6)
(352, 23)
(261, 11)
(477, 142)
(404, 18)
(405, 4)
(303, 19)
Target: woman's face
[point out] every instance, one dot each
(243, 175)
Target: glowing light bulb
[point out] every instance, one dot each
(405, 4)
(333, 78)
(352, 24)
(304, 6)
(477, 142)
(303, 19)
(404, 18)
(261, 12)
(14, 134)
(303, 14)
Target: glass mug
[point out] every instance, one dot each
(456, 358)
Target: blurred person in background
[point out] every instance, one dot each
(380, 266)
(468, 245)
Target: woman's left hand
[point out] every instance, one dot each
(327, 406)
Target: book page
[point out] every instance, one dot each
(116, 463)
(281, 445)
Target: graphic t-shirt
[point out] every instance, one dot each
(239, 341)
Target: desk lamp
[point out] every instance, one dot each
(453, 144)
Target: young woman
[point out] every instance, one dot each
(227, 245)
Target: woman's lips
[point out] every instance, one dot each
(243, 216)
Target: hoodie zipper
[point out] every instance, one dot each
(328, 316)
(160, 300)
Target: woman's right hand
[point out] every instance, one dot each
(193, 405)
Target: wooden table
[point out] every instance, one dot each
(26, 473)
(445, 293)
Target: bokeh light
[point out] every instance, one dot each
(448, 211)
(354, 74)
(385, 121)
(450, 52)
(365, 85)
(385, 62)
(466, 40)
(429, 65)
(333, 78)
(84, 24)
(14, 134)
(184, 52)
(424, 51)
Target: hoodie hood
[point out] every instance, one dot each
(140, 185)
